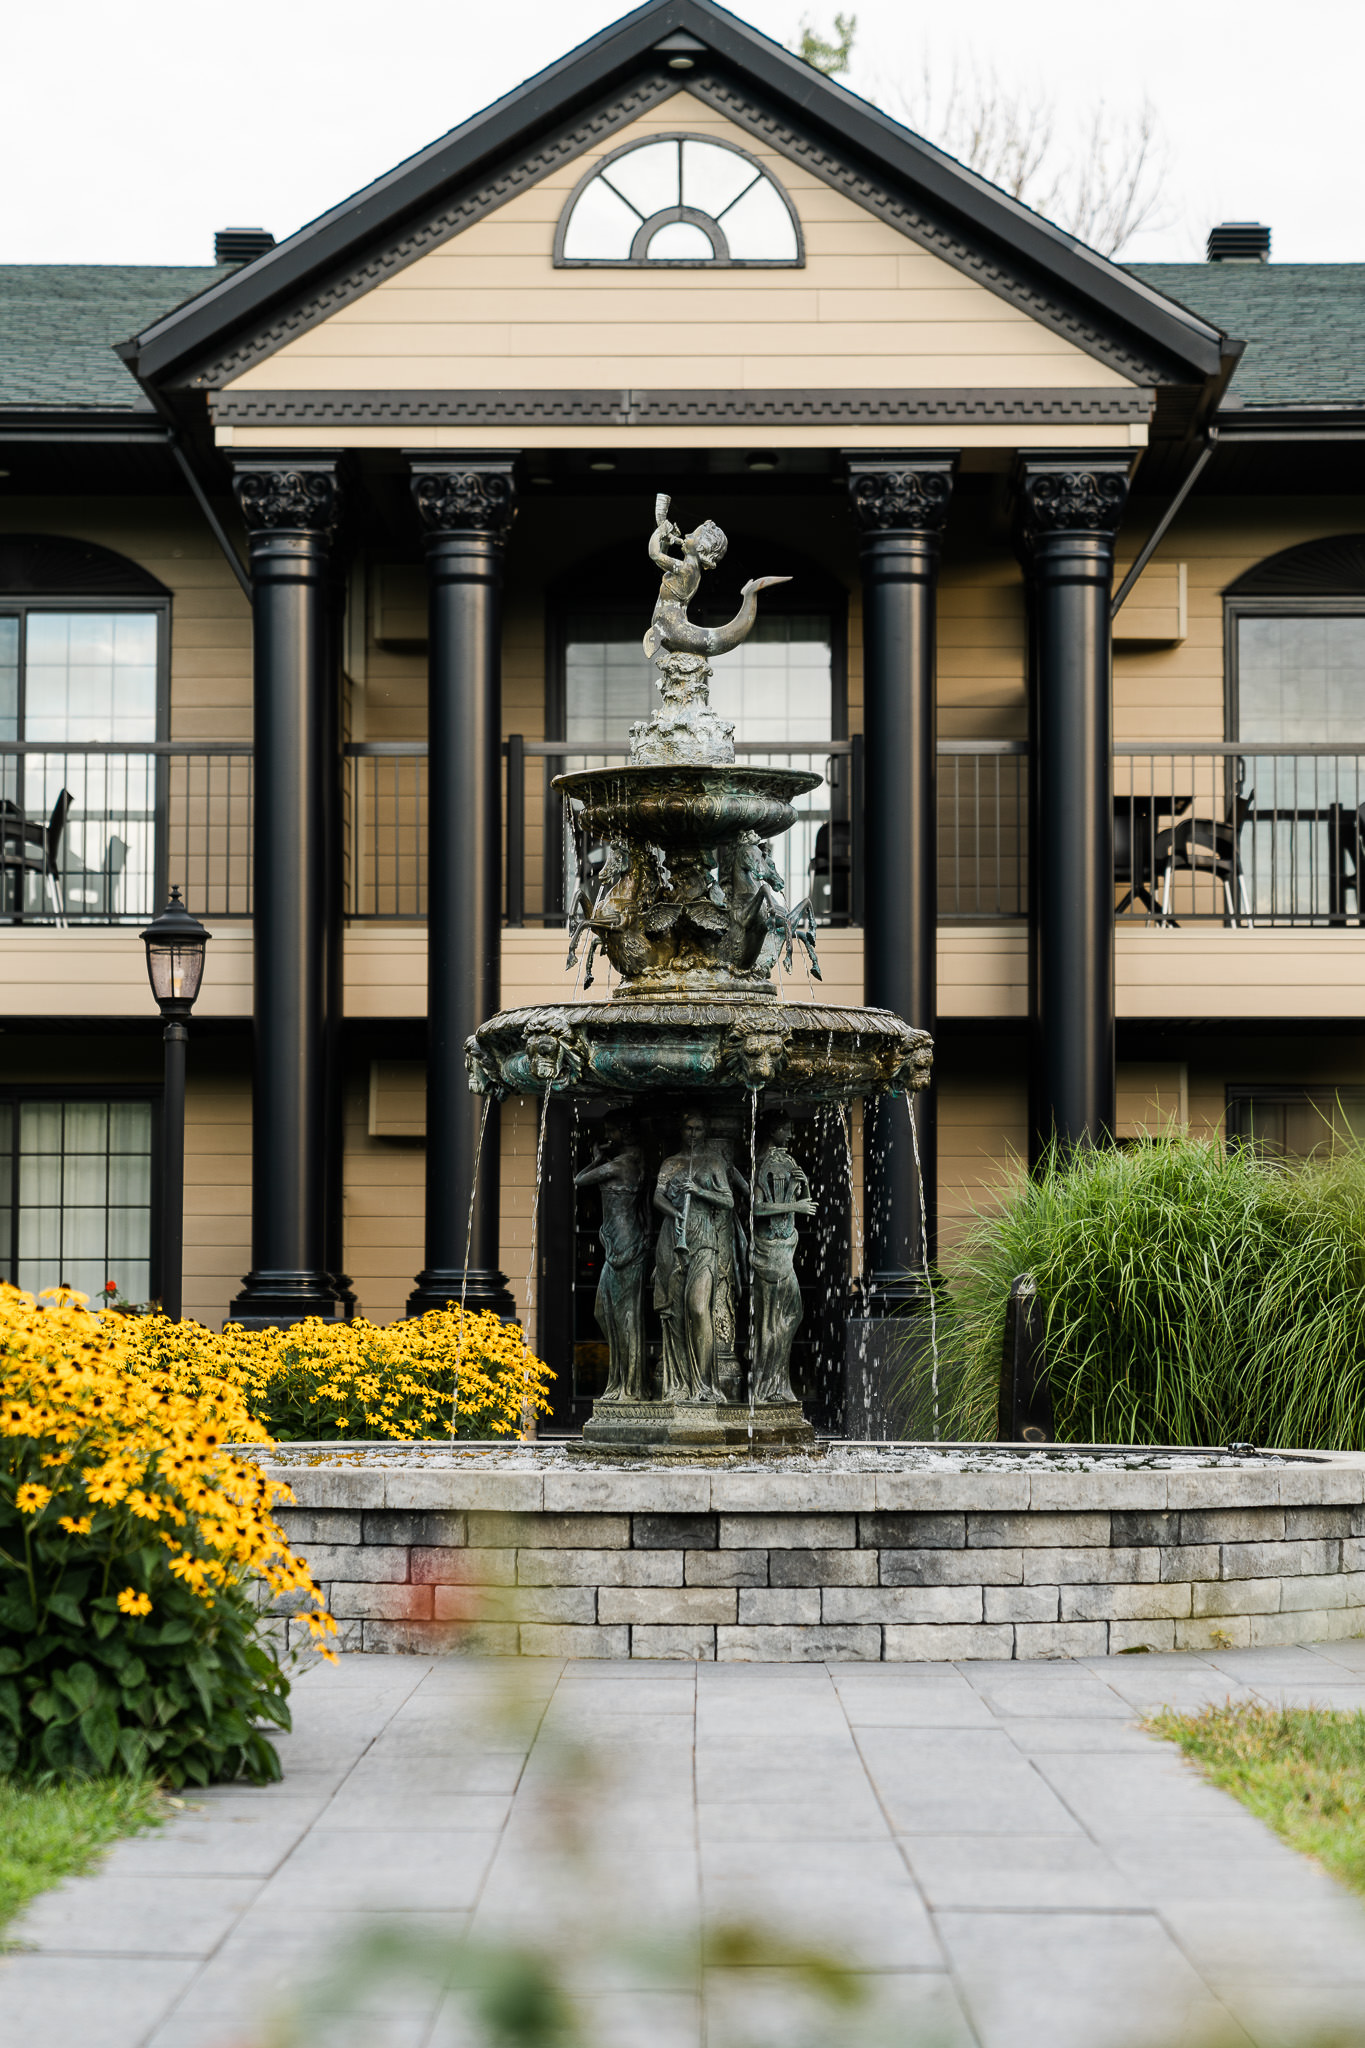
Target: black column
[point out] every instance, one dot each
(466, 507)
(900, 503)
(1070, 507)
(291, 508)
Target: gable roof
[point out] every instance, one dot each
(1304, 325)
(59, 323)
(579, 101)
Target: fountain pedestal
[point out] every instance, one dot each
(695, 1432)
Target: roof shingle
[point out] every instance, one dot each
(59, 323)
(1303, 324)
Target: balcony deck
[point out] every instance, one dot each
(1245, 860)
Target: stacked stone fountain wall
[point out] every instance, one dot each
(799, 1565)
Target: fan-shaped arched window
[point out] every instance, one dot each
(678, 199)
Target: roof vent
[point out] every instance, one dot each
(1239, 241)
(241, 245)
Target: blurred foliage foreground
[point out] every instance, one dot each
(1193, 1295)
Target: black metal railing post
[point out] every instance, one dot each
(516, 829)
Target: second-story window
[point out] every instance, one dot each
(1296, 702)
(87, 676)
(83, 660)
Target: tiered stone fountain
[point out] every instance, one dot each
(699, 1063)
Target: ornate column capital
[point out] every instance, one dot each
(900, 493)
(1081, 494)
(295, 494)
(465, 494)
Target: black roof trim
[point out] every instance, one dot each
(608, 408)
(1309, 422)
(1020, 242)
(76, 423)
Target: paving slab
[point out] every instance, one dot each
(1000, 1852)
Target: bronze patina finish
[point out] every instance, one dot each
(687, 904)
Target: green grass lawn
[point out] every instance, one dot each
(48, 1832)
(1300, 1769)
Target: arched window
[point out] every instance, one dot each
(680, 200)
(1296, 645)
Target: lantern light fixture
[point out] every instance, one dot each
(175, 944)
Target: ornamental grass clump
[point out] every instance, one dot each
(318, 1381)
(1193, 1294)
(130, 1539)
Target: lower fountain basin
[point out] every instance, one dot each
(632, 1046)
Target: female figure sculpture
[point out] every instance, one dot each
(781, 1194)
(618, 1169)
(694, 1260)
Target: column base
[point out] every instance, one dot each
(484, 1288)
(889, 1393)
(896, 1293)
(271, 1298)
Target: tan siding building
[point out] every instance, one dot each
(681, 266)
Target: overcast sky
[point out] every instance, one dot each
(131, 133)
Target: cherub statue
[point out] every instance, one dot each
(670, 629)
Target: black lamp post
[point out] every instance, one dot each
(175, 944)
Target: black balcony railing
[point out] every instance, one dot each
(1240, 834)
(1234, 833)
(94, 834)
(982, 829)
(386, 806)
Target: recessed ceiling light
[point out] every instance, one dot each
(682, 64)
(764, 460)
(542, 479)
(603, 464)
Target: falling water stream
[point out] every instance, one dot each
(464, 1277)
(753, 1305)
(924, 1256)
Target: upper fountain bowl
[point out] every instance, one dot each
(688, 805)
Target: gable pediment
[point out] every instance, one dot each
(869, 308)
(917, 274)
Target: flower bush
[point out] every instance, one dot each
(130, 1541)
(319, 1381)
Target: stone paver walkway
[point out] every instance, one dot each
(1003, 1852)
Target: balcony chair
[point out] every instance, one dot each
(89, 892)
(1208, 846)
(1135, 854)
(831, 875)
(26, 848)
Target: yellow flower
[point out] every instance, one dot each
(130, 1601)
(75, 1525)
(32, 1499)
